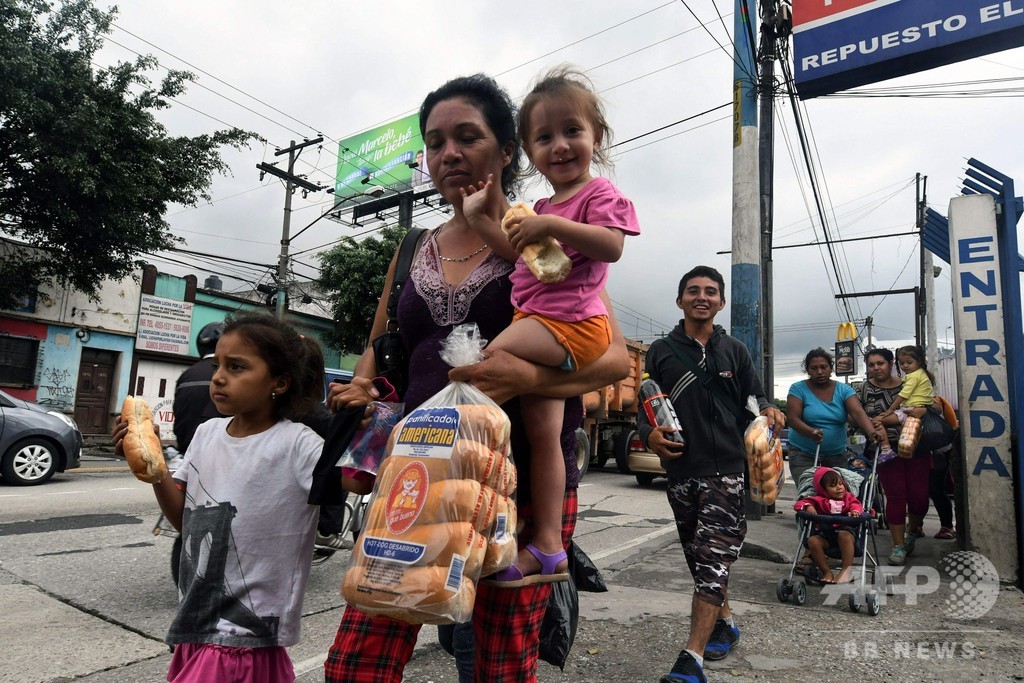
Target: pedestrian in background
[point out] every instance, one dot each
(818, 409)
(708, 375)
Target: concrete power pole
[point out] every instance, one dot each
(766, 154)
(290, 181)
(928, 326)
(746, 234)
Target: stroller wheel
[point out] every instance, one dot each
(800, 592)
(855, 600)
(873, 603)
(782, 590)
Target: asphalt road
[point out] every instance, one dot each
(86, 594)
(82, 546)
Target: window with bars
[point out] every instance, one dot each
(18, 357)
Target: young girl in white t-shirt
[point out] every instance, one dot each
(563, 130)
(240, 501)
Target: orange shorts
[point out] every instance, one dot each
(585, 340)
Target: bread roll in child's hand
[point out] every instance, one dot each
(545, 259)
(141, 444)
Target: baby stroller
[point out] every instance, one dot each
(863, 592)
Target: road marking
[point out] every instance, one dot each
(63, 493)
(307, 665)
(79, 470)
(635, 542)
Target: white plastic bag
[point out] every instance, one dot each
(442, 507)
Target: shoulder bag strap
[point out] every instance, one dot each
(709, 383)
(406, 252)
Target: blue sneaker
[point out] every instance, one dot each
(722, 640)
(686, 670)
(910, 540)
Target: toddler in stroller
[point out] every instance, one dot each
(834, 499)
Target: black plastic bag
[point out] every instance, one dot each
(558, 630)
(936, 433)
(584, 572)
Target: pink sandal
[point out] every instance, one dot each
(513, 576)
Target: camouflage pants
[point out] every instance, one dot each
(709, 513)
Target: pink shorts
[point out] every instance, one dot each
(206, 662)
(585, 340)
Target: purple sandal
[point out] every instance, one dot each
(513, 576)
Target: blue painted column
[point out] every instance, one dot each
(746, 236)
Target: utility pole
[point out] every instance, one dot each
(922, 310)
(766, 168)
(290, 181)
(930, 344)
(746, 235)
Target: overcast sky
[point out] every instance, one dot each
(293, 70)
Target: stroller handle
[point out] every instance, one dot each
(836, 519)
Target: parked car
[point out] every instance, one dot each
(643, 464)
(35, 441)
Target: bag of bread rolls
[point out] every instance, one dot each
(910, 435)
(501, 544)
(442, 508)
(764, 461)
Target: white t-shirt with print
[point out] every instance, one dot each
(247, 535)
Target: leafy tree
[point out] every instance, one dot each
(353, 274)
(86, 171)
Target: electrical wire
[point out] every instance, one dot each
(741, 66)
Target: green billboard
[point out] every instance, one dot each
(383, 156)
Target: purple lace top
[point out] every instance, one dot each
(429, 310)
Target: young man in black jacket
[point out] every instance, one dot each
(706, 475)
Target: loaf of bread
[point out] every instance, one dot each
(910, 436)
(142, 448)
(469, 460)
(425, 545)
(487, 424)
(545, 259)
(502, 550)
(440, 511)
(460, 500)
(764, 461)
(415, 595)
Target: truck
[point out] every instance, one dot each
(609, 431)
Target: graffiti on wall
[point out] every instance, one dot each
(56, 388)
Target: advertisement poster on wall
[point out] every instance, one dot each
(165, 325)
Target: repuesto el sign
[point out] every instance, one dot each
(841, 44)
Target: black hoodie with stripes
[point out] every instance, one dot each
(714, 436)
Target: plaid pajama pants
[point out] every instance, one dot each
(506, 625)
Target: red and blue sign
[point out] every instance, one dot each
(842, 44)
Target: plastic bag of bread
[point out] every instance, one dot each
(764, 458)
(910, 435)
(442, 513)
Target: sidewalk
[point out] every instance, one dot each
(921, 633)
